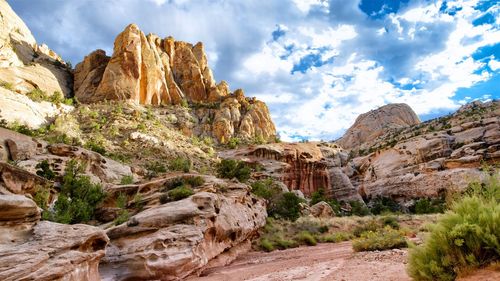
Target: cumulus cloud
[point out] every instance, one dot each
(317, 63)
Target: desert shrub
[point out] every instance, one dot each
(229, 168)
(155, 168)
(121, 201)
(138, 203)
(390, 221)
(465, 237)
(428, 206)
(44, 170)
(176, 194)
(266, 245)
(78, 197)
(37, 95)
(127, 179)
(307, 238)
(318, 196)
(180, 164)
(286, 206)
(233, 143)
(370, 225)
(381, 205)
(123, 216)
(359, 209)
(95, 146)
(41, 197)
(265, 189)
(194, 181)
(7, 85)
(284, 244)
(382, 239)
(335, 237)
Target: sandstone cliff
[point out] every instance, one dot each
(26, 66)
(431, 158)
(307, 167)
(377, 122)
(153, 71)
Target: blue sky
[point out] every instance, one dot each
(317, 63)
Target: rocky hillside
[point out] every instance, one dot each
(375, 123)
(153, 71)
(400, 158)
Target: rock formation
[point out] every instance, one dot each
(431, 158)
(24, 67)
(377, 122)
(38, 250)
(152, 71)
(301, 166)
(27, 152)
(173, 240)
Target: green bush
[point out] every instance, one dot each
(382, 239)
(155, 168)
(335, 237)
(467, 236)
(381, 205)
(96, 147)
(266, 245)
(233, 143)
(371, 225)
(176, 194)
(128, 179)
(78, 198)
(44, 170)
(318, 196)
(41, 197)
(265, 189)
(428, 206)
(194, 181)
(37, 95)
(123, 216)
(286, 206)
(390, 221)
(180, 164)
(229, 168)
(307, 238)
(359, 209)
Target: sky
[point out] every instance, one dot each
(317, 64)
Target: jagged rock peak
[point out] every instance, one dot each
(376, 122)
(149, 70)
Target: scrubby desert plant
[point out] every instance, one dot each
(44, 170)
(465, 237)
(180, 164)
(382, 239)
(127, 179)
(229, 168)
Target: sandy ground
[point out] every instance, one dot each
(322, 262)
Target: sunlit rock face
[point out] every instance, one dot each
(150, 70)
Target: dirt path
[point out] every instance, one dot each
(322, 262)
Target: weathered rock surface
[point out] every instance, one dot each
(32, 250)
(376, 122)
(25, 66)
(429, 159)
(173, 240)
(27, 152)
(321, 210)
(152, 71)
(301, 166)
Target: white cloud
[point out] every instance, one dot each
(494, 64)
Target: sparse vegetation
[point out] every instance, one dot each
(229, 169)
(44, 170)
(466, 237)
(78, 197)
(128, 179)
(180, 164)
(381, 239)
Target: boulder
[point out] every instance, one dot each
(322, 210)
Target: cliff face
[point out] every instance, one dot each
(431, 158)
(153, 71)
(307, 167)
(375, 123)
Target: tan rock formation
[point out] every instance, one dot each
(33, 250)
(173, 240)
(377, 122)
(26, 66)
(301, 166)
(321, 210)
(149, 70)
(429, 159)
